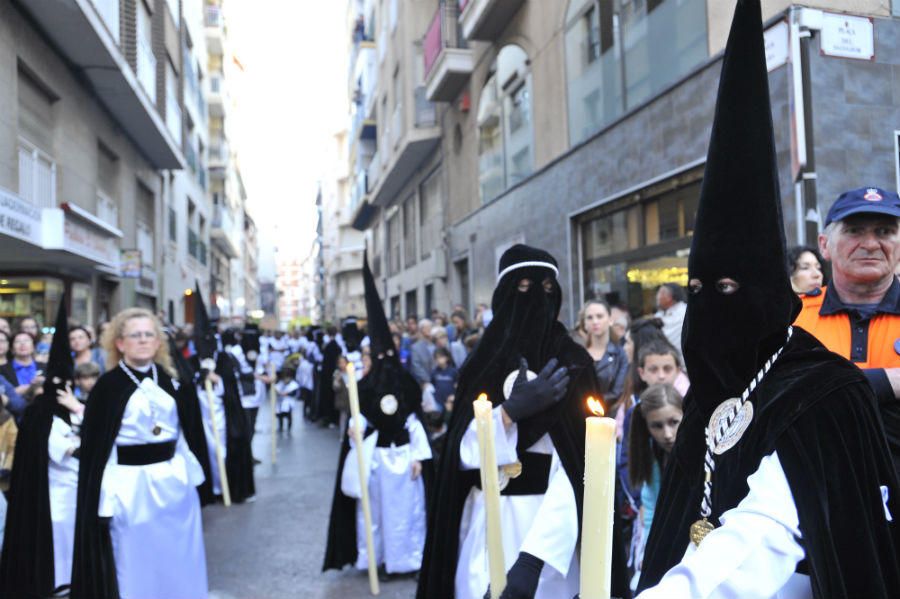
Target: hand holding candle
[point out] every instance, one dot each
(490, 485)
(599, 491)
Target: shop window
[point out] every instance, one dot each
(82, 303)
(412, 303)
(621, 54)
(24, 296)
(505, 131)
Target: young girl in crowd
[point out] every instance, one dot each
(287, 390)
(654, 427)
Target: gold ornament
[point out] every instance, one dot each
(699, 530)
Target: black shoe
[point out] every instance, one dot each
(383, 576)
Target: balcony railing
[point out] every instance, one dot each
(426, 113)
(146, 68)
(360, 188)
(442, 33)
(213, 16)
(109, 12)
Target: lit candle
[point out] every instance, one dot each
(363, 475)
(599, 490)
(490, 486)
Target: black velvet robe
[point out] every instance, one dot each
(93, 567)
(566, 426)
(818, 412)
(325, 392)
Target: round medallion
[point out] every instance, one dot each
(156, 430)
(252, 355)
(722, 438)
(511, 380)
(389, 405)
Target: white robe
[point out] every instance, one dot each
(218, 411)
(156, 528)
(397, 501)
(252, 400)
(753, 555)
(62, 475)
(545, 526)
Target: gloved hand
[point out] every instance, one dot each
(528, 398)
(522, 578)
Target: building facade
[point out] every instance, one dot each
(581, 127)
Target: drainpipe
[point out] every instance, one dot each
(803, 22)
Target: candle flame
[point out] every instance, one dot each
(351, 368)
(595, 406)
(482, 397)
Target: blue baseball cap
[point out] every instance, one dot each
(865, 200)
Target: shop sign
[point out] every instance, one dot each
(130, 264)
(19, 219)
(848, 37)
(777, 46)
(81, 240)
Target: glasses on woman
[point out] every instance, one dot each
(137, 336)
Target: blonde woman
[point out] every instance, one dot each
(138, 531)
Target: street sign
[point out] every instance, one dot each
(844, 36)
(777, 47)
(130, 264)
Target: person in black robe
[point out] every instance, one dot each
(386, 378)
(94, 571)
(183, 381)
(524, 334)
(325, 412)
(780, 482)
(27, 561)
(211, 359)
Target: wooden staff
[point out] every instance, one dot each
(220, 457)
(273, 399)
(363, 476)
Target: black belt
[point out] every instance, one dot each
(142, 455)
(535, 477)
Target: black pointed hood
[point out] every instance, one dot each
(380, 339)
(351, 334)
(204, 332)
(739, 233)
(60, 369)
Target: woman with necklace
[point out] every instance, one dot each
(138, 529)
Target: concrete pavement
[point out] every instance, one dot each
(273, 548)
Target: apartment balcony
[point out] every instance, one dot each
(448, 62)
(86, 34)
(485, 20)
(215, 28)
(361, 127)
(412, 136)
(219, 153)
(222, 235)
(218, 94)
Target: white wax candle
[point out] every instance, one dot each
(597, 520)
(490, 486)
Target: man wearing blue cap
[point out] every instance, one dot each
(858, 315)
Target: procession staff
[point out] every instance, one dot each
(138, 529)
(37, 545)
(780, 483)
(397, 461)
(539, 423)
(225, 422)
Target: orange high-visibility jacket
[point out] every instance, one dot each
(833, 331)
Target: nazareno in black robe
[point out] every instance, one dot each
(238, 453)
(187, 392)
(27, 563)
(819, 413)
(325, 392)
(387, 376)
(522, 327)
(94, 568)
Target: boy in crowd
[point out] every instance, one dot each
(86, 376)
(658, 364)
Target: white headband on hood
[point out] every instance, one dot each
(518, 265)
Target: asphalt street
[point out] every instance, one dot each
(273, 548)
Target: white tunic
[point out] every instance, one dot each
(252, 400)
(62, 475)
(156, 528)
(753, 555)
(218, 411)
(397, 501)
(545, 526)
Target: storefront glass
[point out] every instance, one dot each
(30, 296)
(632, 246)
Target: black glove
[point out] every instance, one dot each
(522, 578)
(533, 397)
